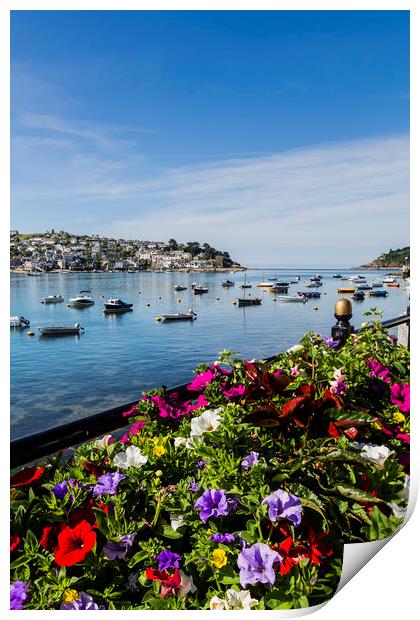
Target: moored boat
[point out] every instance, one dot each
(265, 284)
(390, 284)
(114, 304)
(227, 283)
(309, 295)
(61, 330)
(81, 301)
(364, 286)
(378, 293)
(180, 316)
(245, 286)
(199, 289)
(314, 284)
(358, 295)
(292, 299)
(337, 275)
(19, 321)
(180, 287)
(52, 299)
(377, 284)
(388, 280)
(346, 289)
(249, 301)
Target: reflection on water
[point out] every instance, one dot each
(57, 379)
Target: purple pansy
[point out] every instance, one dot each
(250, 460)
(256, 565)
(118, 550)
(167, 559)
(84, 602)
(283, 505)
(213, 503)
(222, 538)
(18, 594)
(107, 484)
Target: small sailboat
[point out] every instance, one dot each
(61, 330)
(52, 299)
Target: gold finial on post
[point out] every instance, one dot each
(343, 312)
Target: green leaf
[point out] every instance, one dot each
(357, 494)
(341, 414)
(380, 526)
(168, 532)
(21, 561)
(307, 498)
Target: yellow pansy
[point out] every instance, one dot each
(377, 426)
(159, 450)
(399, 417)
(219, 558)
(70, 595)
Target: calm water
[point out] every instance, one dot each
(55, 380)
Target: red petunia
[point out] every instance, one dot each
(75, 544)
(26, 476)
(318, 548)
(50, 534)
(170, 583)
(290, 555)
(14, 541)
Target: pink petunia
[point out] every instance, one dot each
(200, 382)
(400, 396)
(234, 392)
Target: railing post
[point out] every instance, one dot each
(342, 329)
(403, 336)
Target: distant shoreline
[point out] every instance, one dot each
(24, 272)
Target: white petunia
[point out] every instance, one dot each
(240, 600)
(179, 441)
(376, 454)
(102, 443)
(176, 521)
(132, 457)
(187, 585)
(296, 347)
(205, 423)
(405, 491)
(218, 603)
(194, 442)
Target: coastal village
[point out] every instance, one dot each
(62, 251)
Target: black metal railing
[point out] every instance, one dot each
(38, 445)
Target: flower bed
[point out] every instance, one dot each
(241, 497)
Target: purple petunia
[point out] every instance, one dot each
(330, 342)
(18, 594)
(193, 486)
(107, 484)
(250, 460)
(167, 559)
(213, 503)
(201, 464)
(255, 565)
(222, 538)
(84, 602)
(61, 489)
(118, 550)
(283, 505)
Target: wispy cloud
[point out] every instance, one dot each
(340, 202)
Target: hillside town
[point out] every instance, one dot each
(62, 251)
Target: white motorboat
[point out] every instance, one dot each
(61, 330)
(180, 287)
(377, 284)
(389, 280)
(316, 284)
(19, 321)
(357, 278)
(292, 299)
(265, 284)
(52, 299)
(81, 301)
(199, 289)
(180, 316)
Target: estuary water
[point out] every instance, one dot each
(56, 380)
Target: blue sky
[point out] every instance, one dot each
(281, 136)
